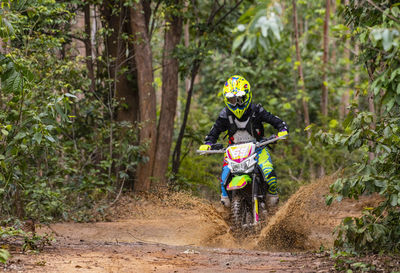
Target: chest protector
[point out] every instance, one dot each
(245, 131)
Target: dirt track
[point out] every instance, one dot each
(178, 233)
(145, 257)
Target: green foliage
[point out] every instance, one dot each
(259, 26)
(61, 151)
(4, 256)
(374, 136)
(31, 241)
(375, 230)
(198, 173)
(344, 262)
(4, 234)
(35, 242)
(272, 74)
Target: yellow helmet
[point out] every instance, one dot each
(237, 95)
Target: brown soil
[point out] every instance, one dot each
(180, 233)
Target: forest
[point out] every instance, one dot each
(102, 99)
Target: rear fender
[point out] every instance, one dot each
(238, 182)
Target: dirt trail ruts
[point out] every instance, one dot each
(180, 233)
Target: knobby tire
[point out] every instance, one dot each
(238, 212)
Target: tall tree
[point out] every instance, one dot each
(120, 66)
(300, 69)
(302, 88)
(170, 64)
(371, 108)
(356, 76)
(324, 96)
(147, 97)
(345, 100)
(88, 46)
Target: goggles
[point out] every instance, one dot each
(238, 99)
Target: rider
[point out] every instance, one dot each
(243, 121)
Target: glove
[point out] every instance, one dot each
(205, 147)
(282, 133)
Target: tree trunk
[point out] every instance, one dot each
(170, 81)
(176, 156)
(302, 90)
(123, 90)
(88, 47)
(345, 100)
(333, 41)
(356, 77)
(371, 108)
(371, 105)
(147, 98)
(187, 79)
(324, 97)
(2, 46)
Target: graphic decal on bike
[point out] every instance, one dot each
(238, 153)
(238, 182)
(242, 162)
(256, 209)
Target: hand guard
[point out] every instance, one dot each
(282, 133)
(205, 147)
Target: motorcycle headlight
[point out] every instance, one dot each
(240, 167)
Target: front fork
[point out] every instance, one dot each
(254, 191)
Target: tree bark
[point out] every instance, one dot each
(345, 100)
(300, 69)
(88, 47)
(302, 89)
(324, 97)
(356, 77)
(332, 41)
(371, 107)
(2, 46)
(176, 156)
(170, 81)
(147, 105)
(125, 91)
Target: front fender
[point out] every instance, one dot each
(238, 182)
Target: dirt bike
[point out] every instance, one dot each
(245, 185)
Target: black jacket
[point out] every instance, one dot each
(257, 115)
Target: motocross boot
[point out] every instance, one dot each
(272, 201)
(225, 201)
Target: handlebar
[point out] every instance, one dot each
(264, 142)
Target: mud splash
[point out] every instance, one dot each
(305, 222)
(175, 219)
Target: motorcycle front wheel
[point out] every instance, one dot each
(241, 215)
